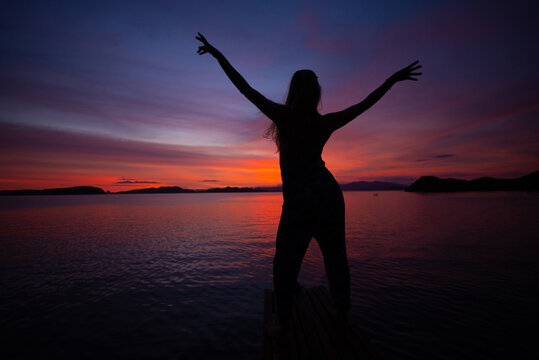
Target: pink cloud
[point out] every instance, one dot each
(38, 151)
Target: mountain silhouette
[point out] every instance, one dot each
(77, 190)
(434, 184)
(159, 190)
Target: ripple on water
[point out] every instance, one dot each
(437, 277)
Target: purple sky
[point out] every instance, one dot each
(113, 94)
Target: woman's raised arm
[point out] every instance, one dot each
(341, 118)
(268, 107)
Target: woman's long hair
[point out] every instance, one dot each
(303, 94)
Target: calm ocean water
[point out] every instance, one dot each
(181, 276)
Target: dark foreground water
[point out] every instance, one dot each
(181, 276)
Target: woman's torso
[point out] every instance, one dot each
(302, 139)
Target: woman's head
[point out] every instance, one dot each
(304, 90)
(303, 95)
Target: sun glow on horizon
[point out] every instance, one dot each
(112, 93)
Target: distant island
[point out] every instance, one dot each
(434, 184)
(357, 185)
(84, 190)
(77, 190)
(424, 184)
(159, 190)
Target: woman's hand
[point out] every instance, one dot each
(408, 73)
(206, 47)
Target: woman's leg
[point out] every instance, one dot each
(331, 239)
(292, 243)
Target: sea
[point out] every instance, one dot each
(182, 276)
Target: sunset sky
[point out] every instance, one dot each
(113, 94)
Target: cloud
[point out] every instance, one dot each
(134, 108)
(85, 97)
(210, 181)
(32, 154)
(436, 157)
(124, 181)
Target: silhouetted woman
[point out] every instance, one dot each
(313, 202)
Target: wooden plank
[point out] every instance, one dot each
(359, 342)
(331, 334)
(328, 322)
(320, 333)
(350, 347)
(314, 346)
(357, 346)
(314, 331)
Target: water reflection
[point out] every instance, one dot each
(181, 275)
